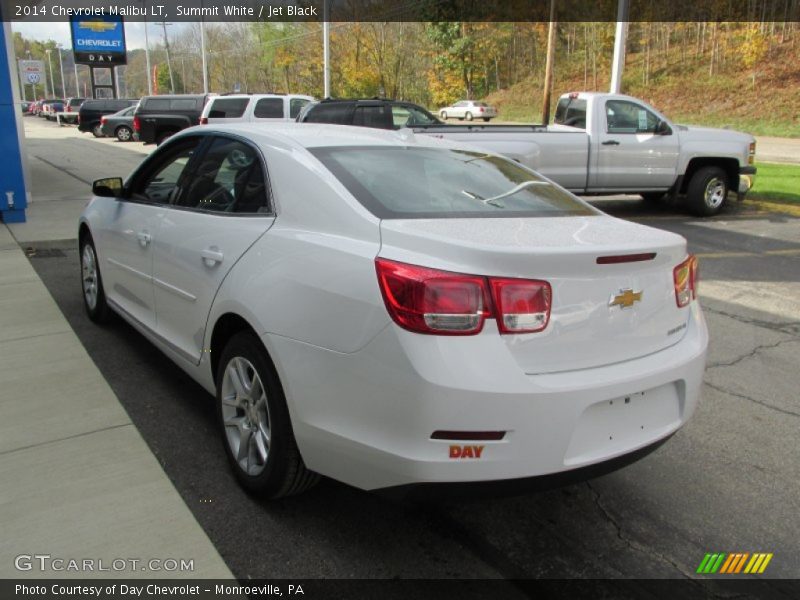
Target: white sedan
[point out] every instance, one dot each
(393, 310)
(469, 110)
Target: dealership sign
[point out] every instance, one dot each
(98, 41)
(31, 72)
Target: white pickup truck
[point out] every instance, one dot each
(615, 144)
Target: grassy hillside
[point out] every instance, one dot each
(686, 93)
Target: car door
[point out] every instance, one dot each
(629, 153)
(127, 236)
(220, 213)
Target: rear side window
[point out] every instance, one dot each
(269, 108)
(425, 183)
(296, 105)
(329, 113)
(156, 104)
(183, 104)
(230, 179)
(572, 112)
(227, 108)
(377, 117)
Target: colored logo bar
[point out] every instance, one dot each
(734, 563)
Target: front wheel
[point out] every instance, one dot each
(468, 116)
(254, 422)
(94, 298)
(707, 191)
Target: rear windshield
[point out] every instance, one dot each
(422, 183)
(572, 112)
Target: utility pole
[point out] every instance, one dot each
(326, 50)
(77, 83)
(620, 39)
(147, 53)
(548, 70)
(61, 68)
(50, 64)
(169, 62)
(203, 49)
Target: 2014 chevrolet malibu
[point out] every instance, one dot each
(393, 310)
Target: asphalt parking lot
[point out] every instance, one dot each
(727, 482)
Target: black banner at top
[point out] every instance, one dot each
(402, 10)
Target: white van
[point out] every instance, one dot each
(239, 108)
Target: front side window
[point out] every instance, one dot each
(410, 116)
(628, 117)
(229, 179)
(160, 181)
(377, 116)
(269, 108)
(444, 183)
(227, 108)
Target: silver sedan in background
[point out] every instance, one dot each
(469, 110)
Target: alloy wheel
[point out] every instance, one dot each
(89, 276)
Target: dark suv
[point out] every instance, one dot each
(159, 117)
(378, 113)
(91, 111)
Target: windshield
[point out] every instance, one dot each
(416, 183)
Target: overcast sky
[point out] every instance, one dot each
(134, 32)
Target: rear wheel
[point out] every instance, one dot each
(487, 119)
(468, 116)
(124, 134)
(94, 298)
(707, 191)
(255, 423)
(97, 131)
(443, 115)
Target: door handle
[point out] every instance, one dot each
(212, 256)
(144, 238)
(611, 143)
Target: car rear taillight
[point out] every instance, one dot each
(480, 109)
(436, 302)
(430, 301)
(522, 306)
(686, 276)
(137, 124)
(103, 120)
(203, 120)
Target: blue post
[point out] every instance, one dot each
(13, 196)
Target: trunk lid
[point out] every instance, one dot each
(585, 329)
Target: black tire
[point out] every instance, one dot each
(468, 116)
(283, 471)
(124, 133)
(443, 115)
(707, 191)
(652, 197)
(487, 119)
(100, 312)
(97, 131)
(163, 137)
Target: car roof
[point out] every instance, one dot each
(248, 96)
(317, 135)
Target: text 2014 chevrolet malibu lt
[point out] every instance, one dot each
(391, 310)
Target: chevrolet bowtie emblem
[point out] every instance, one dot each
(98, 26)
(625, 298)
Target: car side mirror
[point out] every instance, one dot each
(663, 128)
(109, 187)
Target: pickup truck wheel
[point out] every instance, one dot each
(468, 116)
(97, 131)
(707, 191)
(443, 115)
(255, 424)
(124, 133)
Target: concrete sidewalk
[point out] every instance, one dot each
(77, 481)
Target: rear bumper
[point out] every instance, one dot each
(366, 418)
